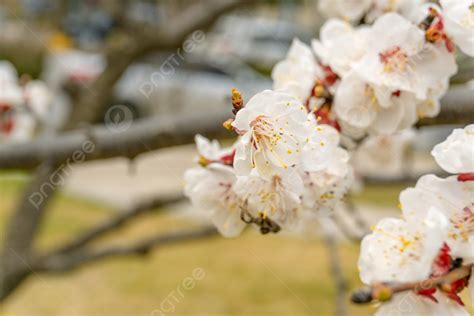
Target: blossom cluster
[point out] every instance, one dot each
(288, 161)
(23, 104)
(435, 236)
(284, 167)
(380, 78)
(457, 15)
(367, 10)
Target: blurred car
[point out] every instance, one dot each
(149, 88)
(257, 41)
(193, 86)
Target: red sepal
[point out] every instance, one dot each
(464, 177)
(428, 293)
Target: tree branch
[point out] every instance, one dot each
(100, 143)
(69, 261)
(159, 132)
(94, 100)
(340, 283)
(23, 228)
(115, 223)
(90, 103)
(385, 291)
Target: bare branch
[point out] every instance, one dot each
(69, 261)
(116, 222)
(93, 101)
(159, 132)
(143, 136)
(90, 103)
(385, 291)
(23, 228)
(340, 282)
(354, 213)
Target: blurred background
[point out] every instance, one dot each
(120, 63)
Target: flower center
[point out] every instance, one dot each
(394, 60)
(229, 199)
(6, 121)
(392, 5)
(266, 135)
(264, 132)
(463, 223)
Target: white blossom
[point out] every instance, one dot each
(459, 23)
(14, 125)
(456, 154)
(39, 99)
(402, 251)
(367, 10)
(340, 45)
(21, 107)
(211, 190)
(11, 94)
(297, 73)
(368, 107)
(455, 199)
(274, 129)
(325, 171)
(409, 303)
(398, 59)
(7, 73)
(383, 155)
(406, 8)
(211, 151)
(352, 10)
(277, 198)
(399, 79)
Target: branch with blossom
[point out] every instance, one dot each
(383, 292)
(430, 252)
(289, 162)
(24, 105)
(26, 220)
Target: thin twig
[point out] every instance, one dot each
(115, 222)
(101, 143)
(69, 261)
(384, 291)
(354, 213)
(340, 283)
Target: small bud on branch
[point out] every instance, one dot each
(237, 101)
(385, 291)
(228, 124)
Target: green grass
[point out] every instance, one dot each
(250, 275)
(383, 196)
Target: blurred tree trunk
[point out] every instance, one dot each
(18, 259)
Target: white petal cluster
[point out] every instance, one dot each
(367, 10)
(455, 199)
(399, 79)
(417, 305)
(383, 152)
(21, 107)
(284, 167)
(402, 251)
(274, 128)
(297, 73)
(438, 220)
(340, 45)
(456, 154)
(377, 79)
(459, 23)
